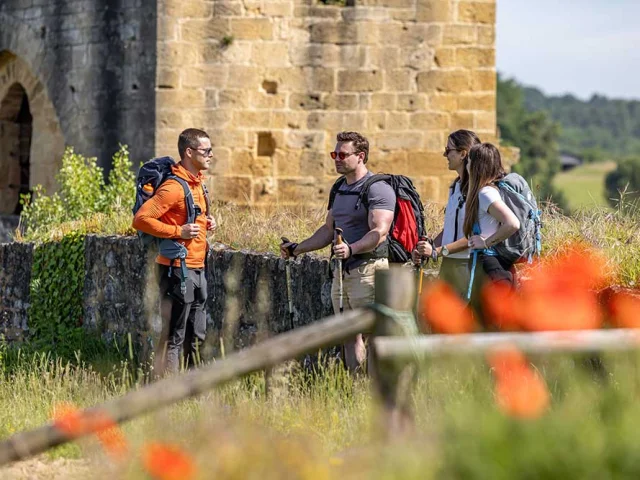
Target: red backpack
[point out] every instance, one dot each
(408, 217)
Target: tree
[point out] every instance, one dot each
(623, 184)
(535, 134)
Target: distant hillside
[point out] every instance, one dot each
(609, 126)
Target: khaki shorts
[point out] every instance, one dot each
(357, 286)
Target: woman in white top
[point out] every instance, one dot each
(451, 244)
(488, 220)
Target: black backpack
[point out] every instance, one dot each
(408, 218)
(153, 174)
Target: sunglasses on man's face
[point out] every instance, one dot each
(205, 151)
(342, 155)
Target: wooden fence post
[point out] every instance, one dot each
(392, 379)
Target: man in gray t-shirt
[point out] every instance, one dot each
(365, 233)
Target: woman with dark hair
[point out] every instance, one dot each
(488, 219)
(451, 244)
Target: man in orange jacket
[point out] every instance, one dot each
(164, 216)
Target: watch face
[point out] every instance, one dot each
(445, 251)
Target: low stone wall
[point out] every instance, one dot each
(15, 277)
(8, 225)
(247, 294)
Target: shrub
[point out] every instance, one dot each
(623, 184)
(82, 194)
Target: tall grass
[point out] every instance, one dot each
(616, 232)
(325, 425)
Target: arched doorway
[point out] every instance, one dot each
(29, 130)
(16, 127)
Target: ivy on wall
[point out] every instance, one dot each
(56, 293)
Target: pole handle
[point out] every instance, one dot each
(291, 247)
(339, 239)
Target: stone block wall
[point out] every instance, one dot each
(247, 294)
(15, 277)
(88, 68)
(273, 81)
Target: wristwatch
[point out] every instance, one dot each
(444, 251)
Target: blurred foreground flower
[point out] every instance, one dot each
(74, 422)
(520, 391)
(167, 462)
(444, 311)
(623, 306)
(559, 293)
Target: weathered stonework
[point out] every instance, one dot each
(403, 72)
(272, 81)
(94, 63)
(247, 294)
(47, 142)
(15, 275)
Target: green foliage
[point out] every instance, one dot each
(535, 134)
(82, 193)
(227, 40)
(583, 186)
(56, 293)
(623, 184)
(610, 127)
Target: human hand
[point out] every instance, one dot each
(287, 248)
(424, 248)
(342, 251)
(189, 230)
(211, 223)
(477, 242)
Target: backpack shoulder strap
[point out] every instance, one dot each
(188, 198)
(364, 192)
(334, 190)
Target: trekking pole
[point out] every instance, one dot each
(421, 274)
(422, 263)
(288, 276)
(339, 241)
(474, 262)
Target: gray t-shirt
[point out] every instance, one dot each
(355, 223)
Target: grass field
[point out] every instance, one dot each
(583, 187)
(325, 426)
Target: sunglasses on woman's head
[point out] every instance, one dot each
(342, 155)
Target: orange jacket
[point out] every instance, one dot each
(164, 214)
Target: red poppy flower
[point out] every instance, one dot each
(444, 311)
(520, 391)
(167, 462)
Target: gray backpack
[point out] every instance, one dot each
(526, 242)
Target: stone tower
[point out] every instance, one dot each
(272, 81)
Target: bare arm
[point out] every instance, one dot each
(455, 247)
(460, 245)
(320, 239)
(509, 224)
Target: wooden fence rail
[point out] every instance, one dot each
(269, 353)
(538, 342)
